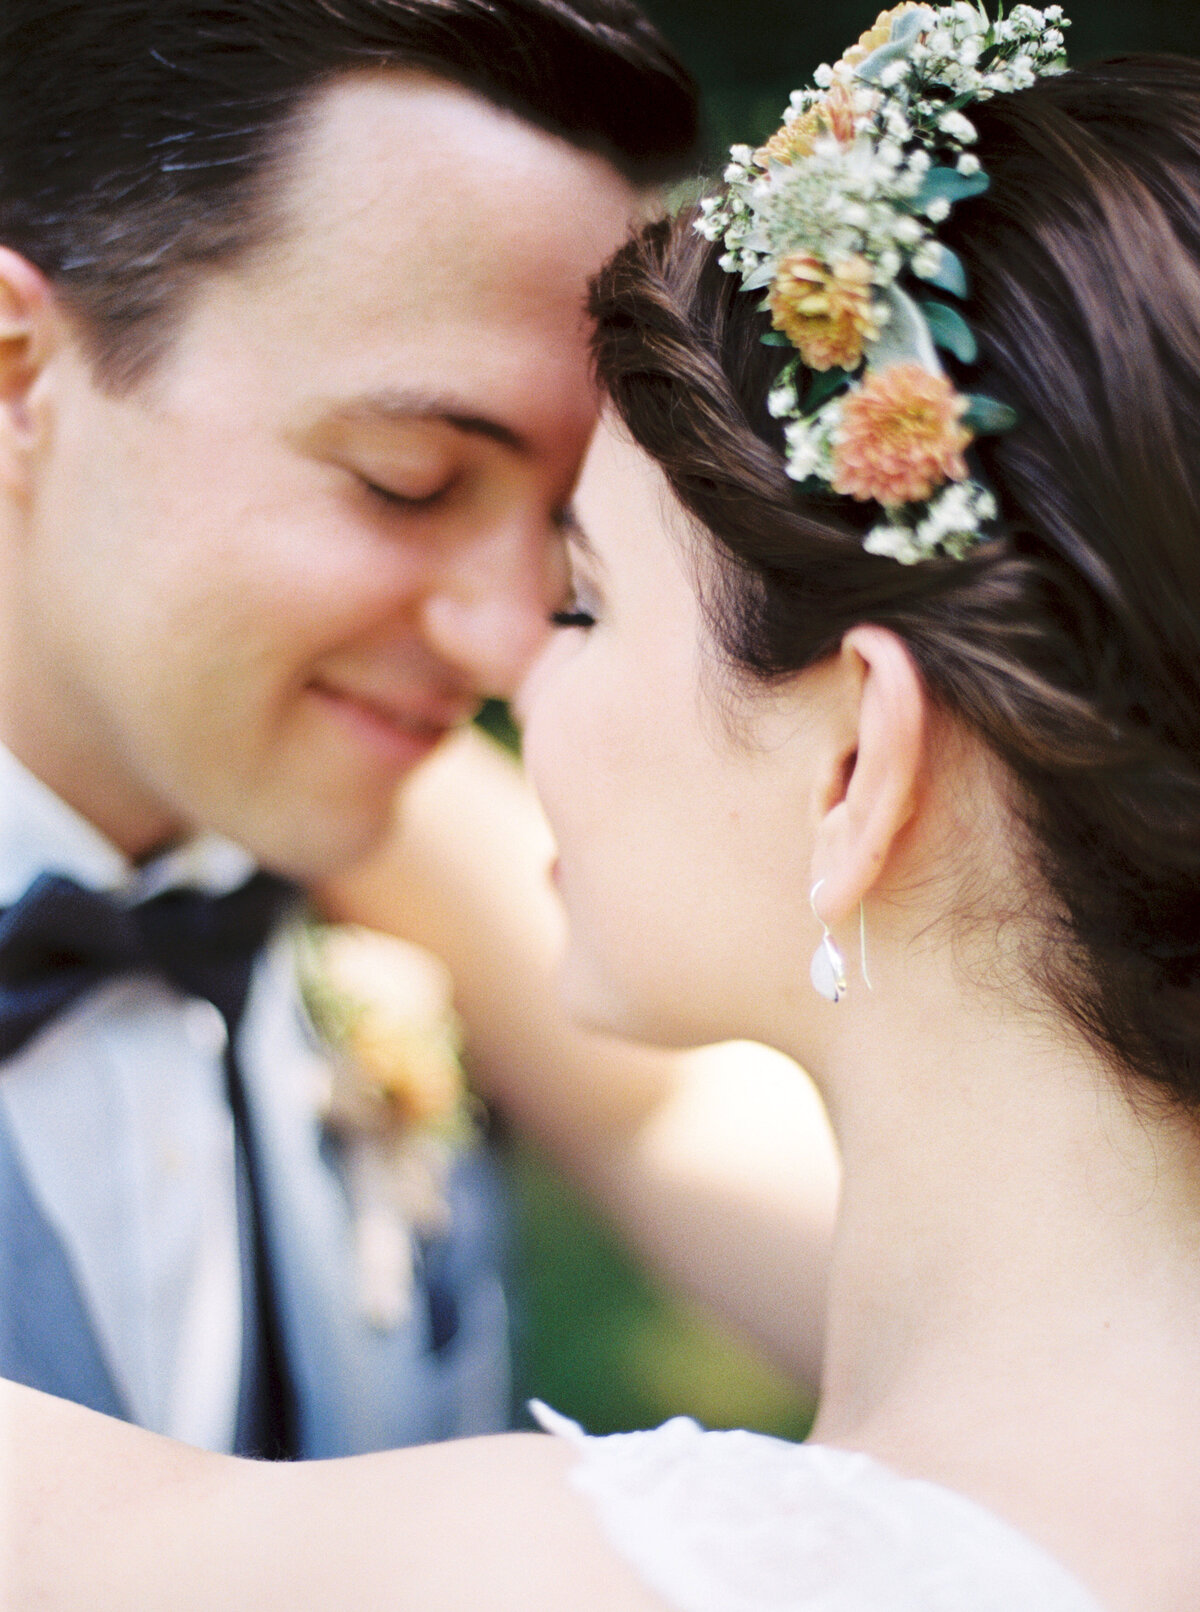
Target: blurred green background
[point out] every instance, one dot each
(603, 1342)
(597, 1337)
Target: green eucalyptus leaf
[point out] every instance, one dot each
(870, 70)
(822, 386)
(949, 275)
(950, 330)
(988, 418)
(904, 31)
(905, 336)
(759, 278)
(774, 338)
(906, 27)
(949, 184)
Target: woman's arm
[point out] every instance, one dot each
(718, 1165)
(99, 1516)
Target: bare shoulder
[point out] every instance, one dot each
(493, 1524)
(107, 1517)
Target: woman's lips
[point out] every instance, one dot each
(400, 735)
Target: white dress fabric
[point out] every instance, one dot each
(738, 1522)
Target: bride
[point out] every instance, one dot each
(871, 730)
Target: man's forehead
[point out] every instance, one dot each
(408, 198)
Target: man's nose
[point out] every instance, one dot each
(488, 613)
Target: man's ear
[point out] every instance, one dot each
(870, 789)
(27, 319)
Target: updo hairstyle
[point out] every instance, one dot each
(1070, 644)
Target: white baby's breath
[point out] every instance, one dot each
(849, 182)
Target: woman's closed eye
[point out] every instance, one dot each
(578, 609)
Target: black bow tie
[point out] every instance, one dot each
(61, 940)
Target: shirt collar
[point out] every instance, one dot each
(40, 833)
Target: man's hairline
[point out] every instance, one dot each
(271, 221)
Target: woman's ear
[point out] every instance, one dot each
(870, 787)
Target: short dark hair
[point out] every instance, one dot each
(1072, 643)
(136, 135)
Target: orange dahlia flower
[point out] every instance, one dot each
(827, 314)
(900, 436)
(832, 115)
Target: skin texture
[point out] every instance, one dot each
(692, 848)
(254, 593)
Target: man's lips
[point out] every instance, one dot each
(402, 729)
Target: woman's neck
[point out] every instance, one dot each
(1014, 1302)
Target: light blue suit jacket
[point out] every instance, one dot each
(357, 1388)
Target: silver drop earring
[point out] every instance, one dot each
(828, 968)
(862, 944)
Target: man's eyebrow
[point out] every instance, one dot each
(404, 407)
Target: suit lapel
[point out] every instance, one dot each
(46, 1337)
(357, 1388)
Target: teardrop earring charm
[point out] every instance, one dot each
(828, 968)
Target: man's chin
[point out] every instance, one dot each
(318, 844)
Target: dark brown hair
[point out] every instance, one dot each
(1072, 643)
(137, 137)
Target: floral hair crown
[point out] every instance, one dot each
(834, 218)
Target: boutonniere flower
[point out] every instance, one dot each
(396, 1103)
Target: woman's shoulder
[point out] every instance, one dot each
(739, 1522)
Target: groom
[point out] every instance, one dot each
(293, 386)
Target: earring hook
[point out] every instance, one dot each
(835, 971)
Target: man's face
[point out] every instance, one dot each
(254, 593)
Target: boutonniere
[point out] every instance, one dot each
(395, 1103)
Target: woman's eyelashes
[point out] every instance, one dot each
(578, 610)
(572, 618)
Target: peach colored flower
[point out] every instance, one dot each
(827, 314)
(876, 35)
(388, 1007)
(900, 436)
(832, 115)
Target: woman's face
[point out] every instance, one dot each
(681, 807)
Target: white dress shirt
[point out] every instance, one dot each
(119, 1112)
